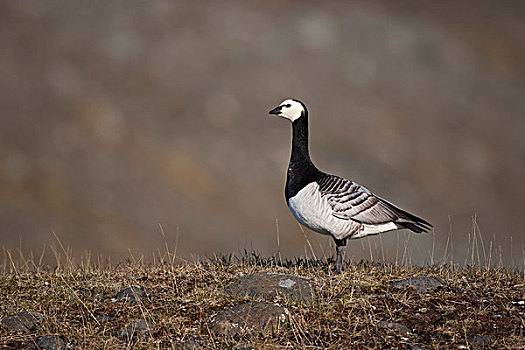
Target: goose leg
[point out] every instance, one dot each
(339, 244)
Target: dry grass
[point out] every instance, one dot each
(182, 298)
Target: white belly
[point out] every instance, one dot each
(314, 212)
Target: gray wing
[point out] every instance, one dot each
(351, 201)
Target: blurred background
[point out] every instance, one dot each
(118, 116)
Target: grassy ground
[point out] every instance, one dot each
(182, 298)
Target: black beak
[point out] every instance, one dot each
(275, 110)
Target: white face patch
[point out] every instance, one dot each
(290, 109)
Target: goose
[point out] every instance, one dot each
(329, 204)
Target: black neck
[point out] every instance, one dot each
(300, 154)
(301, 170)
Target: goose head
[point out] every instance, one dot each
(290, 109)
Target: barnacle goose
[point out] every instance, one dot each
(329, 204)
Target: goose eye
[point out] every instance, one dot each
(288, 105)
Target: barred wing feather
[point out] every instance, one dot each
(351, 201)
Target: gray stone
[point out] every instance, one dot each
(191, 345)
(23, 322)
(268, 285)
(249, 317)
(398, 327)
(51, 342)
(422, 284)
(415, 347)
(84, 293)
(288, 283)
(101, 319)
(135, 330)
(130, 294)
(479, 340)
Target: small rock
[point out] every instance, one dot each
(101, 319)
(23, 322)
(135, 330)
(398, 327)
(251, 316)
(415, 347)
(422, 284)
(130, 295)
(269, 285)
(191, 345)
(288, 283)
(479, 340)
(83, 292)
(51, 342)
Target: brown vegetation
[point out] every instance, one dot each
(475, 308)
(117, 116)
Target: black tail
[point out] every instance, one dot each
(418, 227)
(409, 221)
(413, 222)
